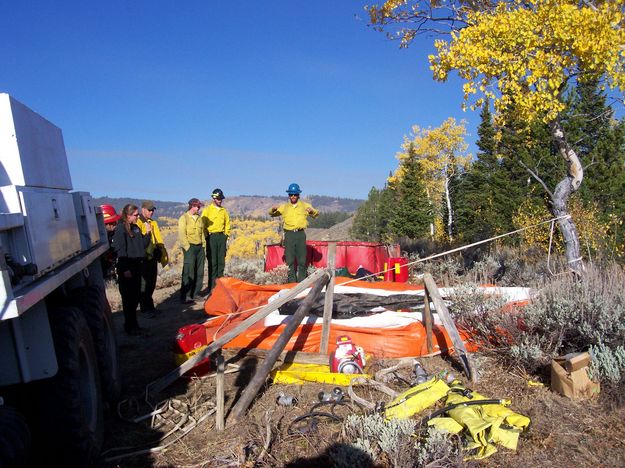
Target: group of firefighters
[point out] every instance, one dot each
(137, 248)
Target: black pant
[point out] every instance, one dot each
(149, 272)
(130, 290)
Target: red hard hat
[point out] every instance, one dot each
(109, 213)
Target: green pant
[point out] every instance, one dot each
(216, 256)
(192, 272)
(295, 251)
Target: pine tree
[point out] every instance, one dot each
(523, 151)
(601, 146)
(411, 214)
(372, 218)
(601, 143)
(480, 192)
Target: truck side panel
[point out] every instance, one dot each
(30, 341)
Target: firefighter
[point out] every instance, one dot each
(295, 215)
(217, 222)
(110, 222)
(155, 253)
(191, 237)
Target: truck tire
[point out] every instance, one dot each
(91, 300)
(15, 440)
(70, 422)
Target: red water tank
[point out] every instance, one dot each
(397, 270)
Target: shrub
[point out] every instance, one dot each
(577, 314)
(251, 270)
(573, 314)
(381, 438)
(446, 270)
(528, 353)
(608, 364)
(393, 441)
(482, 313)
(439, 450)
(247, 269)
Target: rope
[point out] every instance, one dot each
(171, 412)
(464, 247)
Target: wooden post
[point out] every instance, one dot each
(427, 320)
(172, 376)
(329, 300)
(450, 327)
(219, 396)
(263, 370)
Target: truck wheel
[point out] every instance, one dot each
(15, 440)
(70, 408)
(91, 300)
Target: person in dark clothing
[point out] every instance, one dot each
(130, 244)
(110, 217)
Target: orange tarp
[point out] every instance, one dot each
(232, 299)
(233, 295)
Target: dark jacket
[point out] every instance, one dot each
(129, 249)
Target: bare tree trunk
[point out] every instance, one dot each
(450, 214)
(560, 197)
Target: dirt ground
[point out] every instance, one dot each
(563, 432)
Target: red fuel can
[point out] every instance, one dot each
(190, 340)
(398, 270)
(389, 271)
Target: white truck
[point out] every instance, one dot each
(58, 353)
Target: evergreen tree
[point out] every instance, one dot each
(601, 146)
(371, 219)
(411, 214)
(481, 192)
(601, 142)
(520, 150)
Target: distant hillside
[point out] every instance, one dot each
(254, 206)
(338, 232)
(163, 208)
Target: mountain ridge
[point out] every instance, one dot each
(253, 206)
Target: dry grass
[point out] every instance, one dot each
(563, 432)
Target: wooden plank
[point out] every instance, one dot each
(427, 321)
(173, 375)
(329, 300)
(450, 326)
(219, 393)
(236, 354)
(265, 367)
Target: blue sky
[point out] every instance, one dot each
(168, 100)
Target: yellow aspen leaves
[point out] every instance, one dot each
(249, 237)
(441, 153)
(528, 49)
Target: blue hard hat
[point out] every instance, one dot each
(293, 189)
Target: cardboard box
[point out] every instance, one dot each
(573, 383)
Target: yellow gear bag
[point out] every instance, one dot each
(445, 424)
(484, 424)
(294, 373)
(416, 399)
